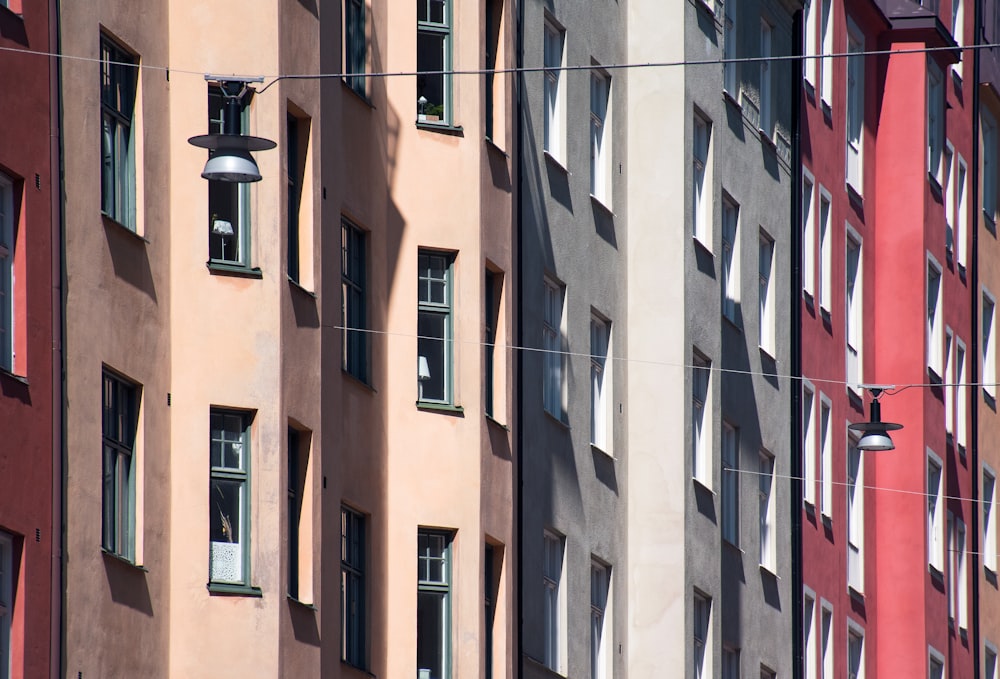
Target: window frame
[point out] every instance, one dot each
(730, 47)
(701, 419)
(7, 589)
(934, 304)
(826, 33)
(961, 228)
(855, 631)
(988, 507)
(600, 595)
(8, 351)
(601, 137)
(855, 109)
(854, 312)
(355, 339)
(701, 635)
(601, 384)
(353, 587)
(444, 31)
(855, 498)
(118, 111)
(441, 587)
(554, 600)
(445, 310)
(118, 502)
(237, 475)
(809, 433)
(766, 120)
(935, 123)
(355, 57)
(989, 660)
(767, 519)
(766, 254)
(808, 235)
(731, 282)
(990, 169)
(701, 152)
(825, 466)
(730, 452)
(825, 272)
(961, 397)
(935, 661)
(554, 355)
(810, 45)
(239, 194)
(554, 119)
(934, 534)
(827, 633)
(809, 646)
(989, 357)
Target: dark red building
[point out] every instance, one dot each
(30, 355)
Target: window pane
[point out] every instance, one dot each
(431, 635)
(431, 56)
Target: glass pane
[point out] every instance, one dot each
(437, 11)
(224, 510)
(108, 486)
(432, 353)
(432, 636)
(431, 52)
(224, 221)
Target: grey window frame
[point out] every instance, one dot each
(354, 300)
(353, 595)
(442, 30)
(442, 587)
(119, 80)
(445, 309)
(355, 47)
(240, 475)
(240, 192)
(120, 400)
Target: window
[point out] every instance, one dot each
(767, 673)
(766, 510)
(809, 635)
(957, 580)
(826, 642)
(990, 662)
(855, 517)
(433, 58)
(433, 604)
(958, 32)
(766, 116)
(989, 520)
(935, 123)
(295, 471)
(989, 346)
(825, 458)
(935, 523)
(119, 80)
(808, 444)
(353, 609)
(989, 125)
(825, 253)
(961, 210)
(6, 274)
(494, 87)
(855, 652)
(355, 45)
(434, 319)
(808, 237)
(730, 69)
(228, 202)
(854, 316)
(702, 655)
(701, 374)
(295, 170)
(699, 202)
(599, 581)
(935, 664)
(855, 109)
(6, 601)
(229, 498)
(600, 382)
(935, 321)
(948, 182)
(555, 602)
(730, 259)
(491, 581)
(553, 357)
(766, 293)
(120, 425)
(949, 382)
(493, 290)
(961, 398)
(730, 484)
(555, 95)
(826, 44)
(730, 663)
(600, 137)
(354, 300)
(809, 64)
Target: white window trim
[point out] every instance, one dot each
(767, 519)
(989, 524)
(827, 644)
(826, 45)
(554, 359)
(730, 47)
(730, 485)
(935, 122)
(854, 316)
(948, 183)
(810, 647)
(989, 648)
(554, 122)
(811, 28)
(705, 669)
(809, 433)
(948, 378)
(766, 93)
(730, 259)
(555, 657)
(935, 318)
(855, 148)
(825, 235)
(826, 457)
(989, 366)
(961, 231)
(808, 233)
(601, 138)
(767, 283)
(855, 517)
(701, 180)
(958, 32)
(961, 396)
(935, 656)
(856, 630)
(990, 169)
(935, 521)
(701, 462)
(7, 280)
(601, 384)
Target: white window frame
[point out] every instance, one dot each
(701, 184)
(855, 631)
(730, 48)
(701, 636)
(825, 274)
(958, 32)
(600, 383)
(766, 126)
(600, 619)
(809, 444)
(990, 167)
(855, 515)
(601, 137)
(948, 186)
(826, 45)
(730, 258)
(701, 418)
(854, 296)
(935, 660)
(961, 398)
(827, 632)
(766, 292)
(809, 26)
(766, 510)
(989, 519)
(855, 110)
(730, 483)
(934, 337)
(553, 357)
(961, 232)
(554, 593)
(826, 455)
(809, 646)
(7, 280)
(554, 121)
(989, 368)
(934, 488)
(808, 234)
(989, 660)
(948, 379)
(730, 662)
(935, 122)
(958, 598)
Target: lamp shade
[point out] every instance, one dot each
(423, 370)
(231, 160)
(876, 440)
(875, 432)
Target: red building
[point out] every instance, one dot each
(887, 146)
(30, 356)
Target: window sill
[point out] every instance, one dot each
(809, 88)
(699, 243)
(933, 376)
(123, 560)
(769, 570)
(300, 604)
(555, 161)
(111, 221)
(298, 286)
(990, 400)
(991, 224)
(856, 594)
(598, 449)
(225, 589)
(855, 196)
(767, 354)
(226, 269)
(935, 186)
(558, 420)
(361, 382)
(767, 138)
(363, 98)
(496, 423)
(356, 668)
(702, 485)
(809, 506)
(731, 322)
(14, 376)
(446, 408)
(732, 100)
(441, 128)
(827, 519)
(936, 574)
(602, 206)
(708, 6)
(490, 144)
(733, 546)
(827, 109)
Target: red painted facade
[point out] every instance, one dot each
(27, 393)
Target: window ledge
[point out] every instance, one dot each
(990, 399)
(855, 594)
(441, 408)
(226, 589)
(111, 221)
(935, 186)
(701, 484)
(597, 449)
(809, 88)
(827, 519)
(356, 668)
(14, 376)
(991, 224)
(699, 243)
(733, 546)
(809, 506)
(300, 604)
(123, 560)
(767, 139)
(827, 108)
(496, 422)
(555, 161)
(358, 380)
(936, 573)
(732, 323)
(933, 376)
(442, 128)
(769, 570)
(855, 195)
(298, 286)
(602, 206)
(490, 144)
(558, 420)
(357, 95)
(226, 269)
(767, 354)
(731, 99)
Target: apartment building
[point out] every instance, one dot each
(30, 350)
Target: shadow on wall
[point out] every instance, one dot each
(127, 585)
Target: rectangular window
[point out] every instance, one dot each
(730, 663)
(826, 45)
(935, 664)
(958, 32)
(990, 160)
(699, 201)
(767, 673)
(766, 116)
(6, 601)
(935, 123)
(855, 653)
(353, 593)
(808, 445)
(294, 169)
(433, 60)
(808, 237)
(935, 320)
(961, 210)
(354, 300)
(600, 382)
(958, 601)
(825, 253)
(730, 258)
(701, 438)
(730, 484)
(855, 109)
(494, 87)
(990, 662)
(119, 83)
(730, 69)
(765, 297)
(825, 458)
(702, 653)
(229, 497)
(555, 95)
(989, 504)
(809, 636)
(434, 580)
(491, 583)
(120, 425)
(228, 202)
(493, 291)
(949, 382)
(434, 327)
(855, 517)
(600, 137)
(948, 182)
(553, 358)
(555, 602)
(294, 509)
(989, 346)
(826, 642)
(854, 316)
(935, 521)
(961, 399)
(809, 26)
(355, 46)
(599, 581)
(766, 510)
(6, 274)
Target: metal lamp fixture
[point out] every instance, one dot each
(875, 432)
(231, 160)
